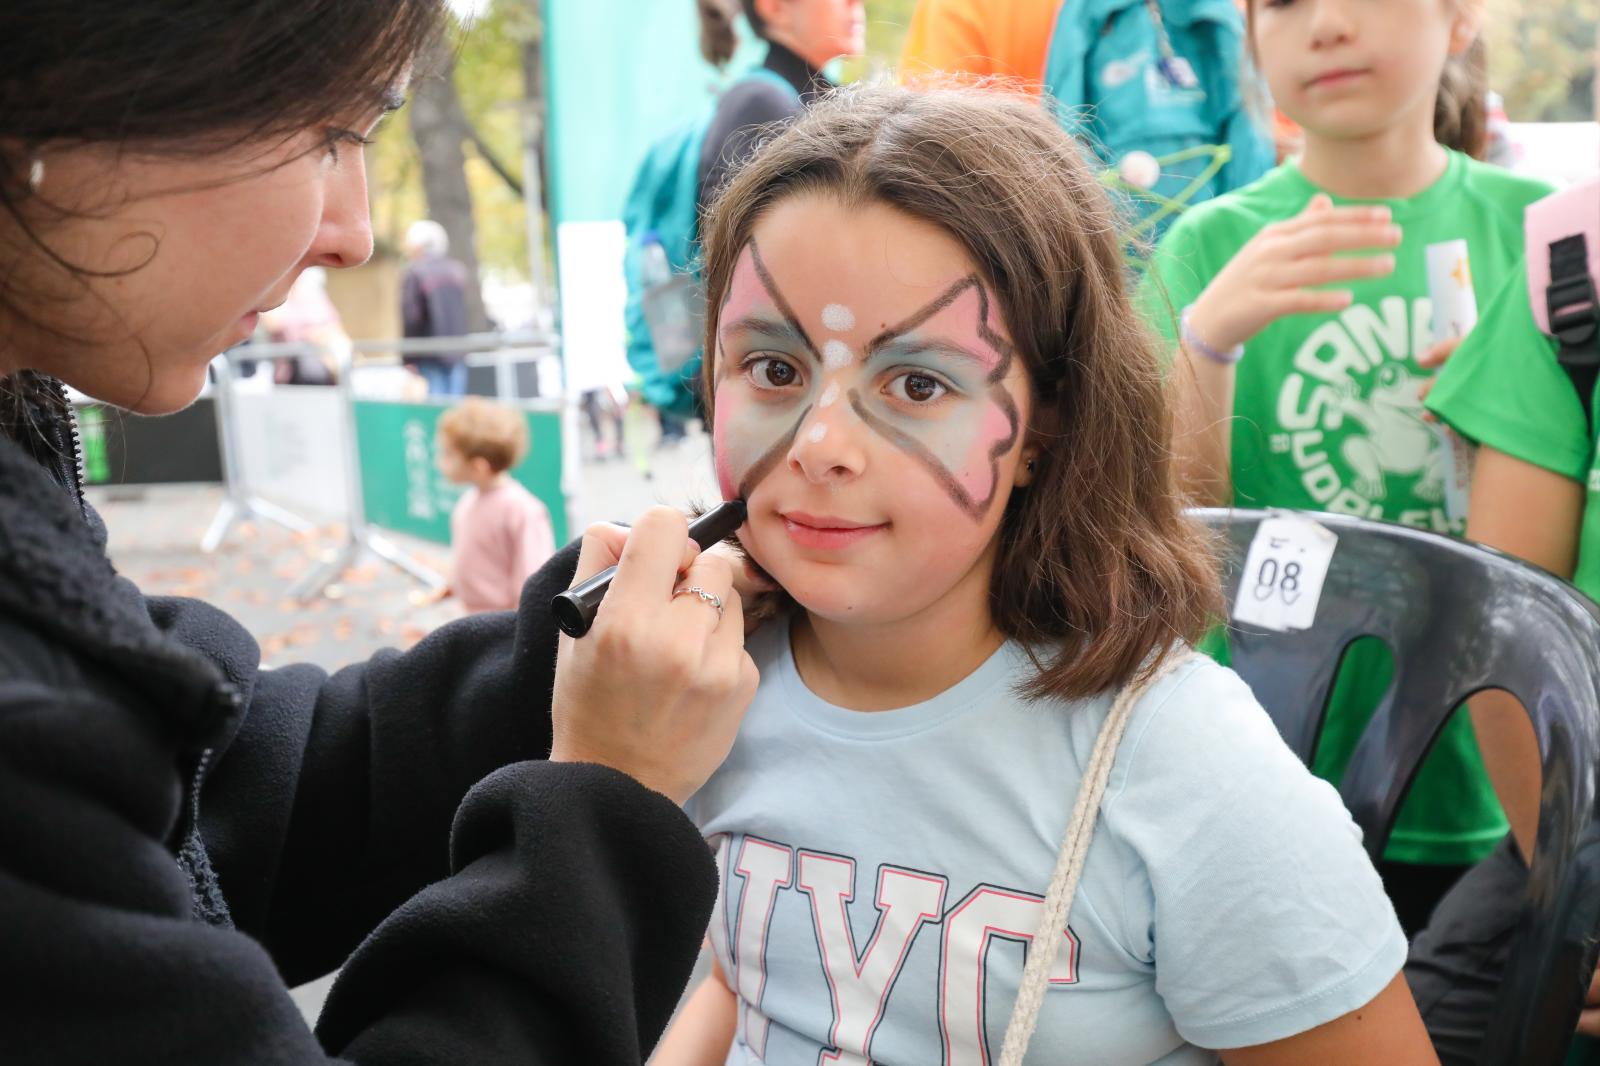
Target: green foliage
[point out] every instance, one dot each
(1542, 56)
(489, 81)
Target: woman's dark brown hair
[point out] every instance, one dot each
(175, 78)
(1098, 571)
(185, 77)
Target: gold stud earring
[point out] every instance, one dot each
(35, 174)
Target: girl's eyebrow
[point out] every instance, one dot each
(765, 326)
(904, 347)
(776, 295)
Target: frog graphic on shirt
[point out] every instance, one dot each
(1346, 416)
(1397, 440)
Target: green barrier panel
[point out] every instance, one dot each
(127, 449)
(403, 490)
(92, 433)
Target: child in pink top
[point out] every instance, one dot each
(499, 531)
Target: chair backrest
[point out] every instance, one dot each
(1459, 619)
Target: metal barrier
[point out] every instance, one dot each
(239, 504)
(361, 537)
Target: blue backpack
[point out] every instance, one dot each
(661, 207)
(1159, 76)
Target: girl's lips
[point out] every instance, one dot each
(1334, 78)
(827, 534)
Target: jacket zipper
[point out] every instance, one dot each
(78, 469)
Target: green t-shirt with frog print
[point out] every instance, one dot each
(1328, 417)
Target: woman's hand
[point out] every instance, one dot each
(761, 598)
(1273, 275)
(659, 685)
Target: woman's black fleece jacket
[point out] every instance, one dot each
(183, 834)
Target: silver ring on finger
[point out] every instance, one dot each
(708, 597)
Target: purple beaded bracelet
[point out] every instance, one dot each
(1194, 343)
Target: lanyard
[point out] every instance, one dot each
(1177, 70)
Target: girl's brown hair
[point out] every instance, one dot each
(479, 429)
(1461, 110)
(1098, 571)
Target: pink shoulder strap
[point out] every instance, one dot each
(1561, 214)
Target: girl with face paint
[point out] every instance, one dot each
(926, 382)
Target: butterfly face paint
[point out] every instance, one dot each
(869, 409)
(935, 386)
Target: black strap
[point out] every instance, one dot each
(1575, 317)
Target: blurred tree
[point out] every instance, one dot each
(1542, 58)
(480, 112)
(441, 131)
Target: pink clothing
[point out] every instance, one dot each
(497, 539)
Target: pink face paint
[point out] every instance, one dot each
(952, 339)
(952, 342)
(752, 433)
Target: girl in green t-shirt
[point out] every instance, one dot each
(1535, 495)
(1299, 308)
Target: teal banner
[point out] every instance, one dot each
(621, 73)
(403, 490)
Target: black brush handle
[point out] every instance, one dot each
(575, 608)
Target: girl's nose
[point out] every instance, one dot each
(1330, 23)
(828, 446)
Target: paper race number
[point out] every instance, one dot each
(1281, 583)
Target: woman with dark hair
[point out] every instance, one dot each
(182, 834)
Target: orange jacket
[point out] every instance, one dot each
(979, 38)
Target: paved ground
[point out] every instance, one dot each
(155, 535)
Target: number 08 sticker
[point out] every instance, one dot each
(1281, 583)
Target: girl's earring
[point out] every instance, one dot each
(1030, 466)
(35, 174)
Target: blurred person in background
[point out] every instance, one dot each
(308, 317)
(433, 303)
(499, 531)
(1005, 39)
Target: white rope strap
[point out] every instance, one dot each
(1069, 865)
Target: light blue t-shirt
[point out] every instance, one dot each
(882, 874)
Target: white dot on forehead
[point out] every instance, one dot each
(829, 394)
(818, 432)
(836, 355)
(838, 318)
